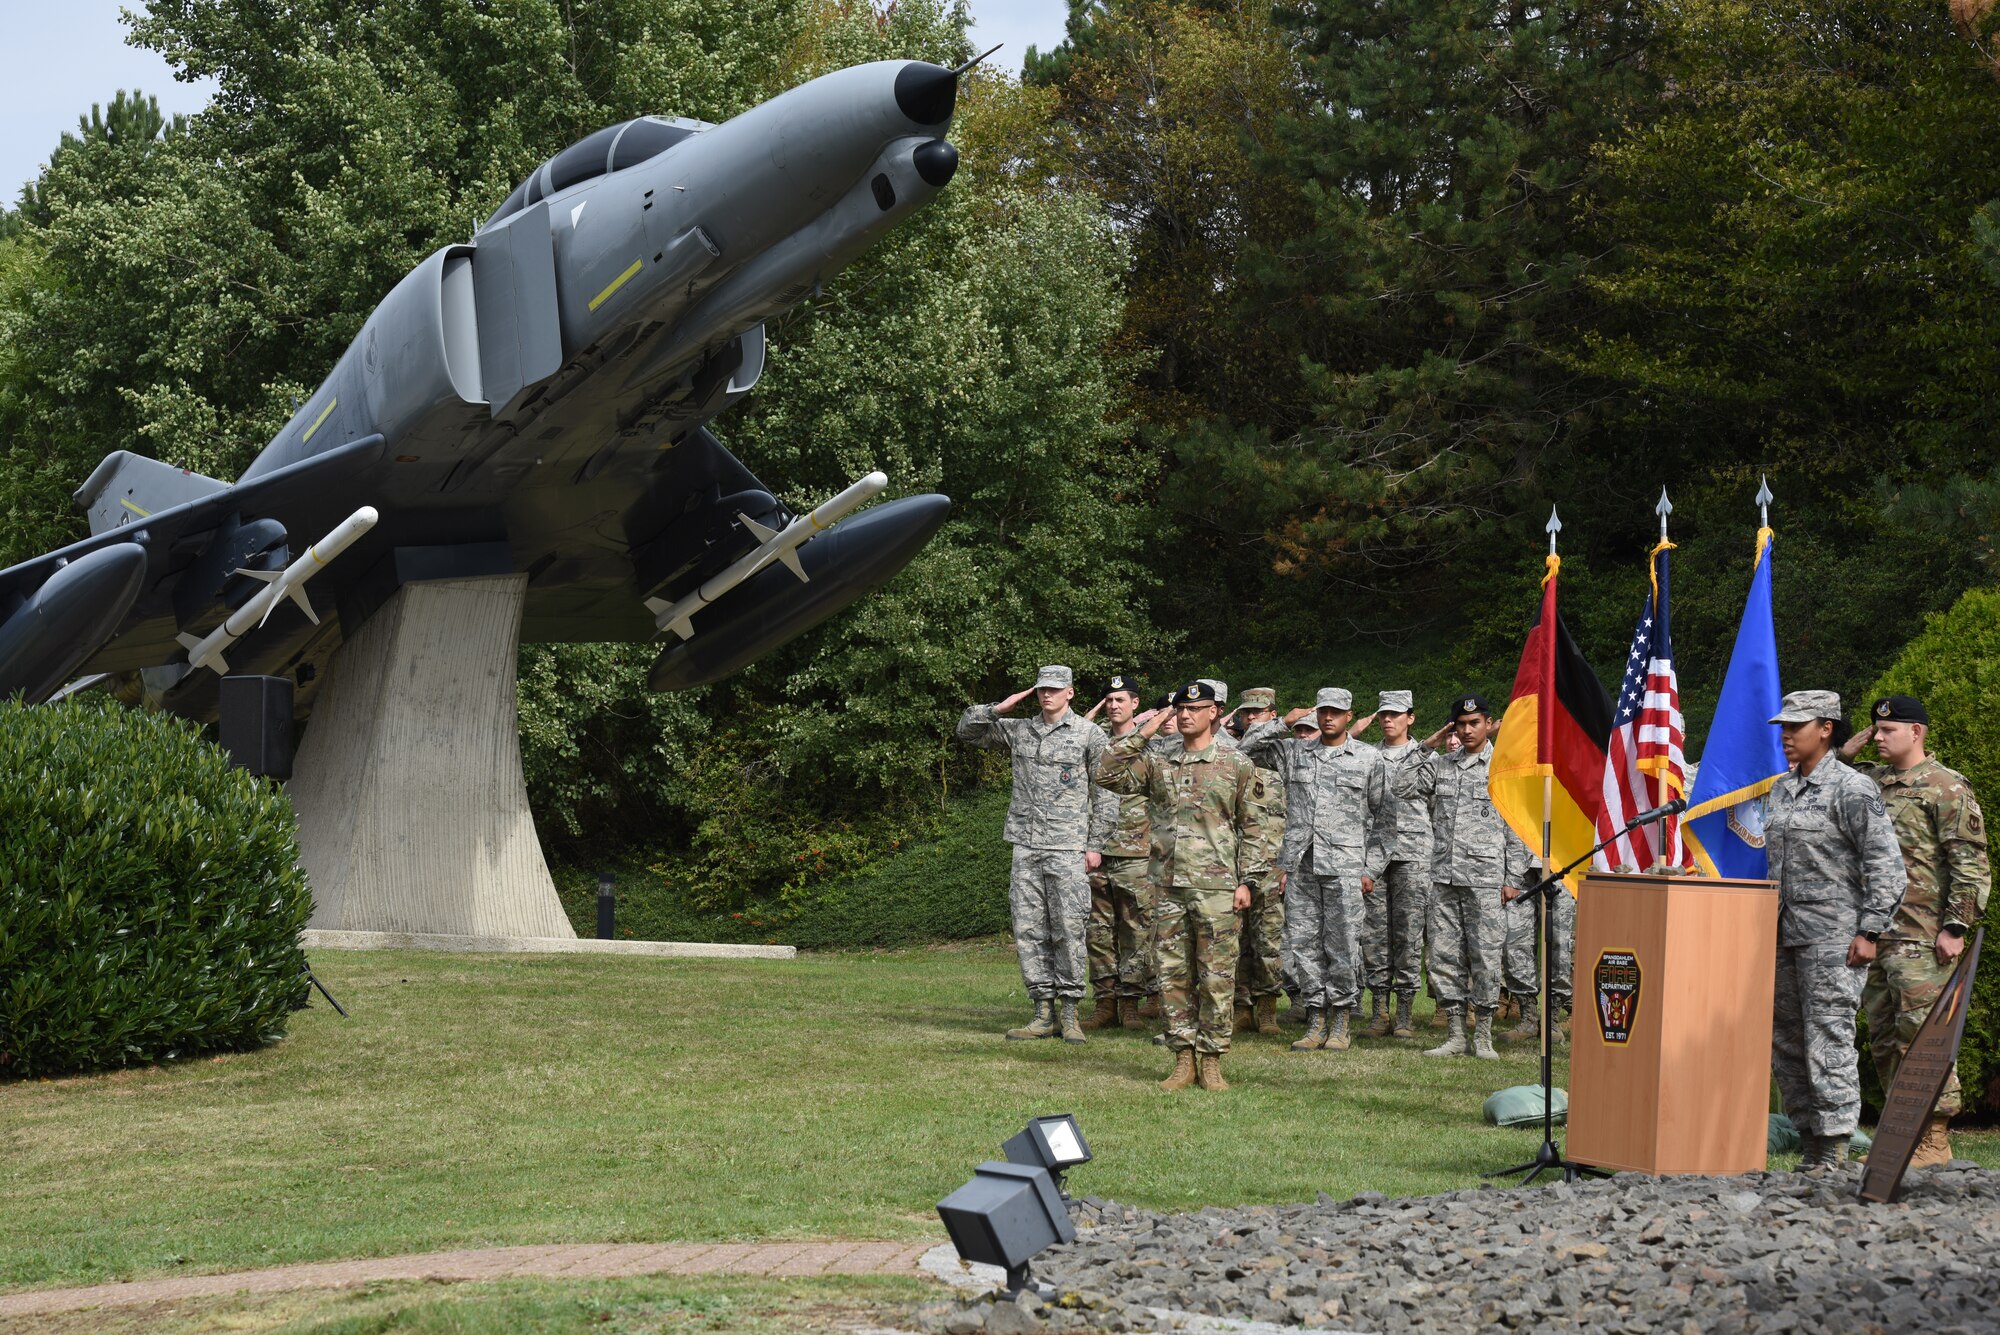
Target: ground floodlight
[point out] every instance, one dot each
(1055, 1143)
(1005, 1216)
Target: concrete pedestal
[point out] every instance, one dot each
(413, 816)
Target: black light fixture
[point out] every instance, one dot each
(1005, 1216)
(1054, 1143)
(607, 905)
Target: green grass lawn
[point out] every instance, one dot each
(477, 1101)
(662, 1306)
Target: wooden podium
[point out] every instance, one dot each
(1670, 1050)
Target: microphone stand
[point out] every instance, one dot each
(1548, 1155)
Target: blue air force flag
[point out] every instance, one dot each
(1743, 755)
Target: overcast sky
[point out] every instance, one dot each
(66, 55)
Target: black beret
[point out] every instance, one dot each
(1899, 709)
(1196, 692)
(1469, 704)
(1122, 681)
(1168, 700)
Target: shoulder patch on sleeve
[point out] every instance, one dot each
(1875, 807)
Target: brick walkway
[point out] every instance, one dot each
(600, 1261)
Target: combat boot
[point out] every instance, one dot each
(1562, 1023)
(1336, 1034)
(1315, 1035)
(1042, 1026)
(1530, 1026)
(1072, 1032)
(1454, 1046)
(1406, 1026)
(1482, 1038)
(1152, 1008)
(1128, 1013)
(1379, 1023)
(1935, 1147)
(1244, 1020)
(1106, 1014)
(1509, 1007)
(1267, 1015)
(1823, 1153)
(1211, 1073)
(1183, 1075)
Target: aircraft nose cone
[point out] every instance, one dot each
(936, 162)
(927, 94)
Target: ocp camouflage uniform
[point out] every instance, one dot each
(1393, 934)
(1208, 837)
(1260, 966)
(1474, 853)
(1344, 798)
(1833, 853)
(1123, 950)
(1942, 835)
(1056, 813)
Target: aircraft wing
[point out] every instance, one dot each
(56, 610)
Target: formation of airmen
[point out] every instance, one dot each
(1188, 864)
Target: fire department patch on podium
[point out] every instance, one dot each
(1617, 981)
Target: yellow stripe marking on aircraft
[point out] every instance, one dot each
(331, 405)
(143, 514)
(616, 283)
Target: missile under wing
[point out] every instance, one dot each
(534, 400)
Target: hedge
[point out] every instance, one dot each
(150, 895)
(1953, 666)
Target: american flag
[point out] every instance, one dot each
(1643, 763)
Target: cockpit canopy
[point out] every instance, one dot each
(613, 148)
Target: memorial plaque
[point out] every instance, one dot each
(1920, 1080)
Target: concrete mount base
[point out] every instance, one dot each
(413, 816)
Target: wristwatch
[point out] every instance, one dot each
(1952, 931)
(1873, 937)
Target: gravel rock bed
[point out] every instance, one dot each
(1764, 1253)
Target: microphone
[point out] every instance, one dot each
(1673, 808)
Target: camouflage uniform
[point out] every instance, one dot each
(1344, 801)
(1393, 937)
(1056, 813)
(1209, 835)
(1942, 834)
(1260, 968)
(1519, 968)
(1473, 855)
(1833, 854)
(1126, 944)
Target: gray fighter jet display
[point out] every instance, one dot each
(532, 401)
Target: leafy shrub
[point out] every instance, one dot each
(1953, 666)
(150, 895)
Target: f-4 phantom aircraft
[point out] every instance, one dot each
(532, 401)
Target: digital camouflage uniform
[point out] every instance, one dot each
(1393, 935)
(1056, 813)
(1942, 835)
(1474, 854)
(1343, 800)
(1121, 943)
(1524, 935)
(1208, 837)
(1260, 965)
(1833, 854)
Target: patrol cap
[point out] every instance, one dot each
(1198, 692)
(1334, 697)
(1899, 709)
(1807, 707)
(1305, 725)
(1258, 697)
(1122, 681)
(1396, 702)
(1221, 689)
(1056, 675)
(1470, 704)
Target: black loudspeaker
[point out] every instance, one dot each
(256, 724)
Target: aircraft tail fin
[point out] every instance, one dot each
(128, 487)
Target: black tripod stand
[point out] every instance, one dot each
(1548, 1155)
(313, 978)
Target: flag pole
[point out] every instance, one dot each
(1544, 907)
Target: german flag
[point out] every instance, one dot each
(1552, 742)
